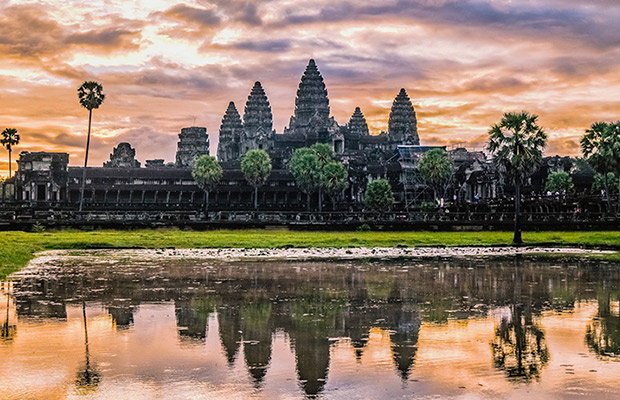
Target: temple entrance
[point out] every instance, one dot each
(41, 193)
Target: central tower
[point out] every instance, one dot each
(311, 117)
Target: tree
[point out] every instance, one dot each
(10, 138)
(517, 144)
(605, 182)
(325, 155)
(559, 181)
(335, 179)
(436, 167)
(91, 97)
(378, 195)
(601, 147)
(256, 167)
(306, 170)
(207, 173)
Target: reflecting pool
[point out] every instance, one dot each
(118, 328)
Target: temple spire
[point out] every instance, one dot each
(230, 134)
(357, 124)
(257, 115)
(402, 126)
(311, 103)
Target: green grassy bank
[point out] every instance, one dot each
(17, 248)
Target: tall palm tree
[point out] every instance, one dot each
(91, 96)
(10, 138)
(517, 144)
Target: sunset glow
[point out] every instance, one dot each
(165, 66)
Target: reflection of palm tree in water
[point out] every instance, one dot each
(88, 378)
(8, 331)
(519, 347)
(603, 332)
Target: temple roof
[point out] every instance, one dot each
(257, 112)
(311, 97)
(231, 123)
(357, 123)
(403, 125)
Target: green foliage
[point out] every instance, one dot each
(436, 167)
(559, 181)
(378, 195)
(427, 206)
(601, 146)
(605, 182)
(91, 95)
(38, 228)
(363, 228)
(10, 138)
(334, 178)
(324, 153)
(256, 166)
(517, 144)
(306, 169)
(207, 172)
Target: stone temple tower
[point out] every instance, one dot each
(357, 124)
(311, 106)
(257, 121)
(403, 125)
(193, 142)
(231, 132)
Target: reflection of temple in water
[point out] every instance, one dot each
(315, 305)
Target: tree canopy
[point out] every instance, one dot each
(207, 172)
(436, 167)
(334, 178)
(10, 138)
(91, 95)
(256, 166)
(601, 147)
(517, 144)
(559, 181)
(306, 169)
(378, 195)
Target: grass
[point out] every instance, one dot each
(17, 248)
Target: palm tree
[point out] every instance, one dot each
(256, 167)
(91, 96)
(10, 138)
(517, 144)
(207, 173)
(601, 147)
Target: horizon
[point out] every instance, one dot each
(166, 66)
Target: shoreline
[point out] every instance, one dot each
(312, 254)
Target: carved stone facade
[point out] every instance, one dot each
(123, 156)
(193, 142)
(312, 123)
(231, 134)
(403, 125)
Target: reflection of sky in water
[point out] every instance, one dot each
(277, 330)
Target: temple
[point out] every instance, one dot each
(46, 179)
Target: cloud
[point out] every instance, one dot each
(200, 16)
(106, 38)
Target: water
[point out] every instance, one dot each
(117, 328)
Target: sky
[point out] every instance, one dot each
(166, 65)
